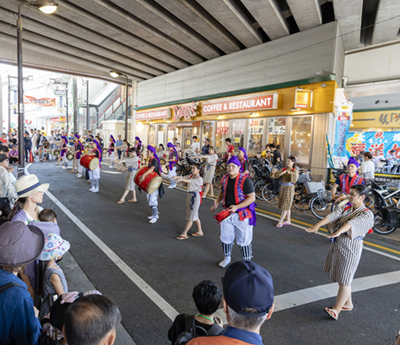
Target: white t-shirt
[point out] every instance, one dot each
(377, 159)
(368, 170)
(195, 146)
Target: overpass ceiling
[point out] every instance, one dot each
(148, 38)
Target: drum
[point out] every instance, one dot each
(223, 215)
(341, 200)
(70, 156)
(151, 182)
(90, 162)
(56, 152)
(162, 161)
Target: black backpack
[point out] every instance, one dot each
(192, 331)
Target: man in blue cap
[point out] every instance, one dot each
(237, 194)
(248, 301)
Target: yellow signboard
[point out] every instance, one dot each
(237, 140)
(376, 119)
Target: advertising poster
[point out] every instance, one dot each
(344, 116)
(382, 142)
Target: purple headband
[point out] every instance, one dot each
(65, 138)
(112, 138)
(352, 160)
(152, 149)
(99, 148)
(77, 136)
(244, 151)
(138, 139)
(234, 160)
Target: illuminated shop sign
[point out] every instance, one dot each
(303, 99)
(164, 113)
(242, 104)
(187, 112)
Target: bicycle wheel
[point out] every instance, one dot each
(301, 202)
(269, 195)
(258, 188)
(381, 227)
(320, 206)
(217, 180)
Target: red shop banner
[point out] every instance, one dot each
(42, 102)
(153, 114)
(243, 104)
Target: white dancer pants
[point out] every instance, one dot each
(172, 173)
(152, 198)
(235, 228)
(95, 174)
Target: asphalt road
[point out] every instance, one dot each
(172, 268)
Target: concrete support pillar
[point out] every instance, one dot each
(75, 102)
(2, 115)
(134, 105)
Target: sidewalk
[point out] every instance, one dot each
(77, 281)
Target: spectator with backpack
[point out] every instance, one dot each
(207, 298)
(19, 245)
(248, 301)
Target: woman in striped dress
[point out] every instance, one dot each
(289, 176)
(350, 224)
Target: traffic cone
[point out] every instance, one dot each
(31, 157)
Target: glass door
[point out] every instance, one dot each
(221, 133)
(300, 144)
(187, 138)
(256, 134)
(237, 132)
(276, 133)
(208, 132)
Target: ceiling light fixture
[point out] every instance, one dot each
(47, 7)
(114, 74)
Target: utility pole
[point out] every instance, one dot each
(9, 104)
(87, 105)
(75, 101)
(66, 107)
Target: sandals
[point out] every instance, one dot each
(132, 200)
(120, 202)
(181, 237)
(197, 234)
(279, 225)
(347, 309)
(331, 313)
(287, 223)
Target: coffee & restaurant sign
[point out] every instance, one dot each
(242, 104)
(153, 114)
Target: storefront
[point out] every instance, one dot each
(294, 118)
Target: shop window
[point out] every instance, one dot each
(238, 128)
(221, 133)
(208, 132)
(300, 141)
(152, 135)
(161, 130)
(276, 132)
(256, 131)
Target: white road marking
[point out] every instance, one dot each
(139, 282)
(321, 292)
(112, 172)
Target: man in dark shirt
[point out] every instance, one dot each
(236, 186)
(206, 147)
(277, 158)
(152, 199)
(27, 145)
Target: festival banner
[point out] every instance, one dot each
(42, 102)
(382, 142)
(344, 116)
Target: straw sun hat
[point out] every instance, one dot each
(28, 185)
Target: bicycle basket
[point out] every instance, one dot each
(324, 194)
(314, 187)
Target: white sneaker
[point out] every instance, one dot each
(96, 190)
(225, 262)
(171, 187)
(79, 176)
(151, 217)
(153, 220)
(65, 168)
(91, 189)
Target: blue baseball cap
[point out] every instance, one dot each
(248, 285)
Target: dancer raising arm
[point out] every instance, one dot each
(350, 225)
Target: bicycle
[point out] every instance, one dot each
(302, 198)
